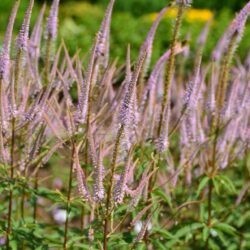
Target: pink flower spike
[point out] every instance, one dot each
(53, 20)
(22, 39)
(5, 53)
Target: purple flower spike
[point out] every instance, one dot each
(52, 20)
(184, 2)
(4, 64)
(22, 39)
(4, 55)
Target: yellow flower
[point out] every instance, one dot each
(191, 15)
(198, 15)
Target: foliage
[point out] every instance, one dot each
(140, 7)
(147, 152)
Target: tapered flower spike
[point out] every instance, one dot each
(170, 68)
(85, 86)
(36, 35)
(128, 66)
(103, 37)
(127, 106)
(98, 167)
(204, 34)
(236, 26)
(157, 70)
(5, 53)
(184, 2)
(80, 176)
(144, 228)
(100, 49)
(193, 90)
(140, 214)
(53, 20)
(162, 142)
(22, 39)
(130, 129)
(4, 154)
(150, 38)
(120, 188)
(137, 193)
(230, 108)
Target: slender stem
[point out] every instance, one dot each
(47, 60)
(35, 199)
(22, 203)
(86, 161)
(11, 179)
(110, 188)
(2, 120)
(209, 205)
(69, 197)
(170, 65)
(209, 201)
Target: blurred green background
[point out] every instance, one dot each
(80, 19)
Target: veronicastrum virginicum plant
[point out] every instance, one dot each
(152, 154)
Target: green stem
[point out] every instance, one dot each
(107, 219)
(69, 197)
(11, 179)
(170, 65)
(47, 60)
(35, 199)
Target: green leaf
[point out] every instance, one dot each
(202, 185)
(213, 245)
(223, 239)
(167, 198)
(164, 233)
(158, 245)
(203, 212)
(225, 228)
(205, 233)
(227, 183)
(184, 231)
(188, 228)
(216, 184)
(128, 237)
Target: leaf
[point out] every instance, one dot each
(202, 185)
(182, 232)
(158, 245)
(203, 212)
(188, 228)
(227, 183)
(213, 245)
(167, 198)
(216, 185)
(225, 228)
(205, 233)
(223, 239)
(164, 233)
(127, 237)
